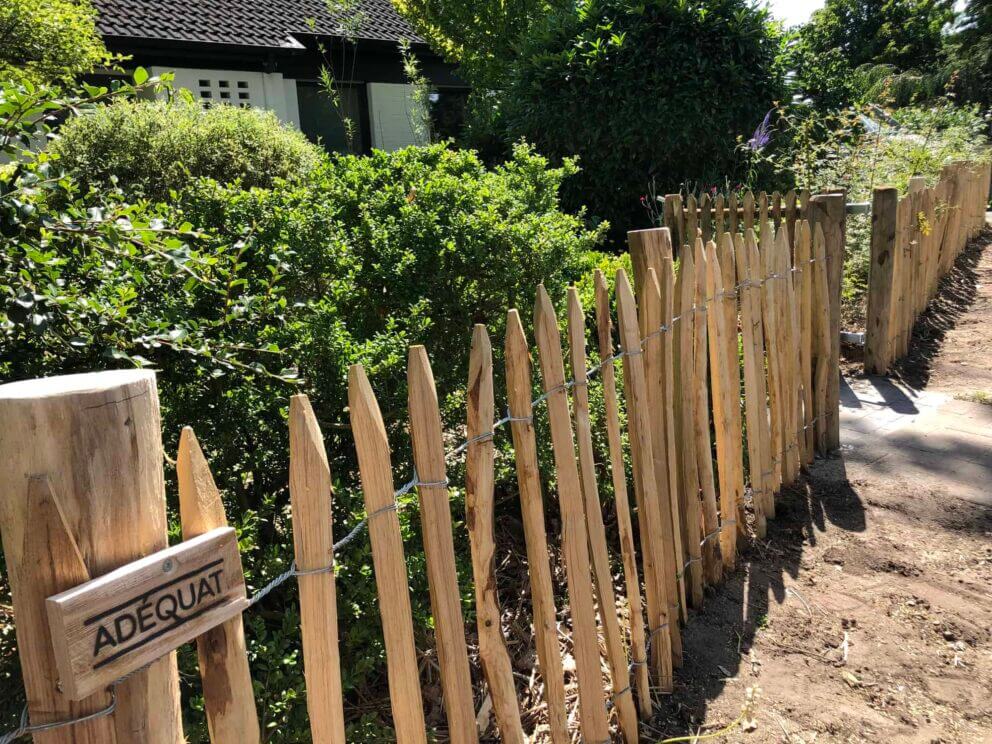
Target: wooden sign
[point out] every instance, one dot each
(119, 622)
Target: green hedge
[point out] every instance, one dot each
(364, 257)
(154, 147)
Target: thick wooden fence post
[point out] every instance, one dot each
(885, 202)
(829, 212)
(439, 547)
(83, 493)
(388, 559)
(227, 692)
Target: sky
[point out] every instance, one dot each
(794, 11)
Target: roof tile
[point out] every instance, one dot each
(266, 23)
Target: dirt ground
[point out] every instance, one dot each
(865, 615)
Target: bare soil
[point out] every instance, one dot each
(865, 615)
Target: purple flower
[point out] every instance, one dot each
(762, 135)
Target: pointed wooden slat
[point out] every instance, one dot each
(685, 415)
(791, 391)
(755, 392)
(616, 655)
(706, 216)
(749, 211)
(776, 209)
(691, 221)
(725, 397)
(649, 317)
(763, 214)
(645, 486)
(638, 646)
(791, 214)
(706, 305)
(646, 250)
(804, 252)
(734, 221)
(728, 268)
(666, 281)
(518, 390)
(719, 214)
(439, 548)
(479, 506)
(592, 710)
(227, 692)
(770, 316)
(388, 558)
(673, 204)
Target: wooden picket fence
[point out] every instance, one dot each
(915, 240)
(714, 214)
(733, 353)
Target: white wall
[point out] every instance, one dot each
(390, 109)
(267, 90)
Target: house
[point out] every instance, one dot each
(270, 53)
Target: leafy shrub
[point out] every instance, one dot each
(240, 298)
(48, 41)
(640, 90)
(154, 147)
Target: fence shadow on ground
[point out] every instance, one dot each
(956, 293)
(719, 636)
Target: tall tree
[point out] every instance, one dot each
(971, 53)
(847, 34)
(481, 35)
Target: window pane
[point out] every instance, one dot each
(322, 122)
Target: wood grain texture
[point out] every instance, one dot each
(725, 392)
(479, 520)
(649, 250)
(97, 438)
(666, 281)
(685, 414)
(117, 623)
(616, 654)
(788, 327)
(804, 292)
(829, 212)
(311, 497)
(770, 314)
(50, 547)
(755, 390)
(727, 254)
(518, 391)
(628, 550)
(822, 353)
(711, 553)
(439, 547)
(645, 486)
(227, 692)
(388, 558)
(650, 320)
(575, 540)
